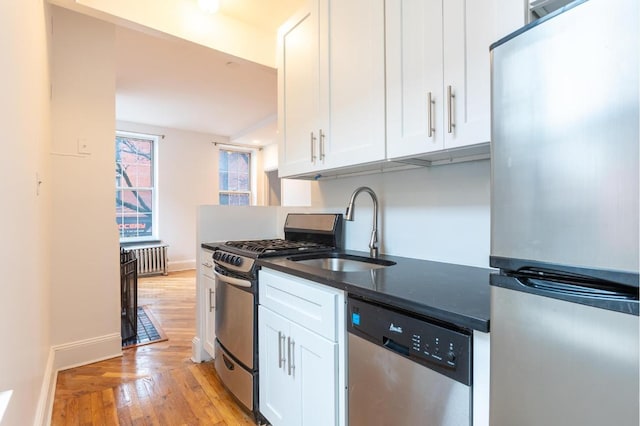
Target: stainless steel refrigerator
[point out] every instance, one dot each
(565, 219)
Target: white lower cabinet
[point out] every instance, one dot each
(207, 301)
(301, 351)
(297, 373)
(210, 314)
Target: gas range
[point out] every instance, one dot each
(236, 294)
(304, 233)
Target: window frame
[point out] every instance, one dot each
(154, 188)
(250, 178)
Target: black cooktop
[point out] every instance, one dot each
(303, 232)
(276, 246)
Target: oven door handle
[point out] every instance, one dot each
(233, 281)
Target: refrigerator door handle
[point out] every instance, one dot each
(593, 288)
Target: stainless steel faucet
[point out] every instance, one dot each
(373, 243)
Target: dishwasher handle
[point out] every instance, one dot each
(395, 346)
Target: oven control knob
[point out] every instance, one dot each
(216, 255)
(237, 261)
(451, 356)
(225, 257)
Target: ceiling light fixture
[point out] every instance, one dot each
(209, 6)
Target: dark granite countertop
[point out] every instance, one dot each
(448, 292)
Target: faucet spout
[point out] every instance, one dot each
(373, 243)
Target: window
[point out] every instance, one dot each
(135, 186)
(235, 178)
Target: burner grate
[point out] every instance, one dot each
(273, 245)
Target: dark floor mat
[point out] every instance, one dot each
(148, 330)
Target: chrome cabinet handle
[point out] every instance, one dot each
(210, 302)
(280, 351)
(430, 105)
(313, 149)
(450, 97)
(290, 353)
(321, 145)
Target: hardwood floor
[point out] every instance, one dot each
(156, 384)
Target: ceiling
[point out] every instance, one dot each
(267, 15)
(169, 82)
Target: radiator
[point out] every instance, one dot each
(152, 260)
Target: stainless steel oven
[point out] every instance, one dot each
(235, 343)
(236, 272)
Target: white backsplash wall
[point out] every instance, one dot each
(436, 213)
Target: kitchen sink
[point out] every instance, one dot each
(341, 262)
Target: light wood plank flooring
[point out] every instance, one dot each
(156, 384)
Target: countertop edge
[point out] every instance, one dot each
(459, 320)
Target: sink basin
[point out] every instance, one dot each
(340, 262)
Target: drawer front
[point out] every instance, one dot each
(238, 380)
(309, 304)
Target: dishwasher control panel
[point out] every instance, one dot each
(442, 349)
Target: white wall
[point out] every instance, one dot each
(187, 178)
(26, 238)
(292, 192)
(270, 157)
(85, 288)
(438, 213)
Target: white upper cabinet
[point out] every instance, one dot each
(331, 79)
(438, 71)
(299, 92)
(356, 82)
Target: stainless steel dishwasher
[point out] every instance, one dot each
(404, 370)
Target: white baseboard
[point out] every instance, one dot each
(83, 352)
(70, 355)
(181, 265)
(47, 392)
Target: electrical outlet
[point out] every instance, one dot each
(83, 146)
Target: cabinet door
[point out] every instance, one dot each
(470, 27)
(441, 48)
(279, 398)
(209, 300)
(315, 370)
(414, 75)
(298, 375)
(467, 38)
(299, 86)
(203, 348)
(356, 98)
